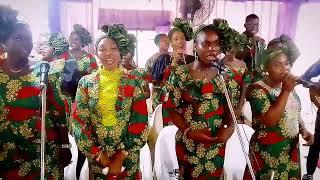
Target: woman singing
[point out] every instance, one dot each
(110, 120)
(196, 104)
(274, 146)
(20, 105)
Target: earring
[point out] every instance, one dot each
(195, 55)
(3, 53)
(265, 73)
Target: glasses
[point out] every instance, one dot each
(248, 24)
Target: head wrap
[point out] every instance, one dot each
(118, 33)
(83, 33)
(282, 44)
(285, 42)
(59, 43)
(268, 55)
(184, 26)
(229, 37)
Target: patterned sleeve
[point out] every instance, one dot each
(81, 123)
(258, 99)
(171, 93)
(56, 100)
(134, 108)
(93, 64)
(2, 109)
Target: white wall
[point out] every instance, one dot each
(33, 12)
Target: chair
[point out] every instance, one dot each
(235, 162)
(166, 162)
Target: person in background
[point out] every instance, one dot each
(163, 43)
(85, 63)
(236, 75)
(20, 102)
(55, 47)
(180, 33)
(257, 44)
(110, 121)
(314, 149)
(276, 118)
(78, 39)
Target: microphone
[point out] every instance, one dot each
(305, 83)
(44, 70)
(221, 67)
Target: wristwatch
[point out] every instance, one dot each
(66, 146)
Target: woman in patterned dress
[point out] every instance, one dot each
(274, 146)
(178, 35)
(84, 64)
(196, 104)
(20, 108)
(236, 75)
(78, 39)
(110, 120)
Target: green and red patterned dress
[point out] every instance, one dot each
(20, 123)
(236, 78)
(110, 116)
(86, 64)
(274, 148)
(202, 103)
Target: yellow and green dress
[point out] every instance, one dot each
(20, 124)
(274, 149)
(202, 104)
(111, 116)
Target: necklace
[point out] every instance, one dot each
(14, 71)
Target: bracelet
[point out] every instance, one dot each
(125, 152)
(98, 158)
(186, 131)
(66, 146)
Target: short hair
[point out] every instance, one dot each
(158, 37)
(251, 16)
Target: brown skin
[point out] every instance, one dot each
(178, 43)
(164, 44)
(18, 47)
(76, 45)
(208, 48)
(279, 75)
(252, 27)
(315, 94)
(109, 56)
(127, 62)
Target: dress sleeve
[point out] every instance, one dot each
(133, 109)
(259, 100)
(171, 95)
(55, 98)
(81, 122)
(93, 64)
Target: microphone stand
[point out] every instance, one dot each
(43, 88)
(225, 90)
(44, 69)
